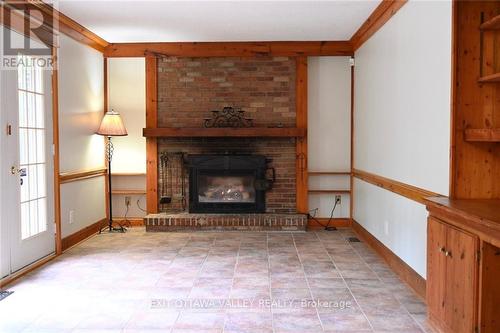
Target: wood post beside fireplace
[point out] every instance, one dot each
(301, 119)
(151, 144)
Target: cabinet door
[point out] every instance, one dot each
(436, 261)
(461, 280)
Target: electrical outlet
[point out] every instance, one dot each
(127, 201)
(71, 216)
(386, 227)
(338, 199)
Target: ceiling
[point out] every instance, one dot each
(207, 21)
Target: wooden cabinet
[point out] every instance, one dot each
(461, 280)
(452, 277)
(436, 267)
(489, 307)
(463, 265)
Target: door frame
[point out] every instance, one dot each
(55, 140)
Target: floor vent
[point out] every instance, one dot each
(353, 240)
(4, 294)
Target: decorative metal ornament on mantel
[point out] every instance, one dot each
(229, 117)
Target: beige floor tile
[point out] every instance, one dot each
(284, 322)
(123, 282)
(351, 319)
(249, 322)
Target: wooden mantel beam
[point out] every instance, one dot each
(230, 49)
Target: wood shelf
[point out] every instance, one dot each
(328, 191)
(493, 78)
(329, 173)
(289, 132)
(128, 192)
(482, 135)
(491, 24)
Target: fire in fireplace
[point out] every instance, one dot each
(227, 183)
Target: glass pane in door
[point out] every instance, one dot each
(32, 166)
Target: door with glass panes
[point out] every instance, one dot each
(27, 212)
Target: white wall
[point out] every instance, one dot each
(81, 98)
(86, 198)
(329, 130)
(397, 222)
(127, 95)
(402, 122)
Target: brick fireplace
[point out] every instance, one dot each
(264, 88)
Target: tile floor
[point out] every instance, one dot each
(214, 282)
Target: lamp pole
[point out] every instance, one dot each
(109, 156)
(111, 125)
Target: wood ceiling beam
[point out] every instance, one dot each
(64, 24)
(383, 13)
(230, 49)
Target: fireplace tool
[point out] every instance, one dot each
(172, 179)
(165, 198)
(266, 184)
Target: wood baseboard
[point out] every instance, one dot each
(11, 278)
(131, 221)
(336, 222)
(82, 234)
(405, 272)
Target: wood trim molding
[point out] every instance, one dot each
(408, 191)
(73, 176)
(383, 13)
(11, 278)
(453, 95)
(151, 144)
(83, 234)
(130, 221)
(230, 49)
(64, 24)
(55, 142)
(351, 157)
(335, 222)
(402, 269)
(301, 143)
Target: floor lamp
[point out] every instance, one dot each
(111, 125)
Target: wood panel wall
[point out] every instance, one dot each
(475, 166)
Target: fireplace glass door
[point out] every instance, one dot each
(226, 184)
(226, 189)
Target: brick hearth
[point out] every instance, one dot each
(236, 222)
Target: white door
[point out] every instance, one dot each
(27, 166)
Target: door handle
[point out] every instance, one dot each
(14, 170)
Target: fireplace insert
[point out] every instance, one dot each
(227, 183)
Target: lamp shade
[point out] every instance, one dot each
(112, 125)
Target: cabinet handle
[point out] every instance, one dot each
(448, 254)
(442, 249)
